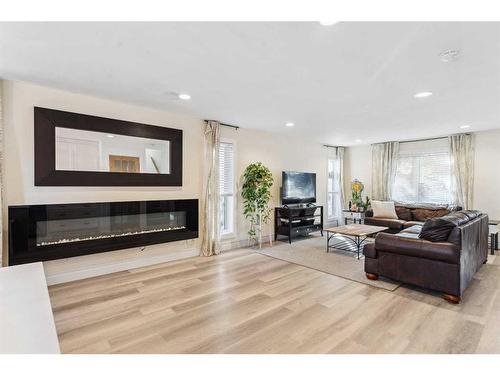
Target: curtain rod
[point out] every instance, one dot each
(228, 125)
(330, 146)
(415, 140)
(425, 139)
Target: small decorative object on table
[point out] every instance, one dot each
(357, 189)
(357, 206)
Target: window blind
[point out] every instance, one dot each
(423, 177)
(226, 168)
(333, 188)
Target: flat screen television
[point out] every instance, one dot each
(298, 187)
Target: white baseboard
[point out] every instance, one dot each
(235, 244)
(119, 265)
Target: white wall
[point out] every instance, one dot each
(487, 173)
(277, 152)
(358, 165)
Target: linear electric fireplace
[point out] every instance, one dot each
(54, 231)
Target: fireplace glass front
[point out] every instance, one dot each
(44, 232)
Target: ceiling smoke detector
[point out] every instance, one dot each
(450, 55)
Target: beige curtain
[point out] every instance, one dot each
(211, 227)
(462, 169)
(384, 164)
(337, 153)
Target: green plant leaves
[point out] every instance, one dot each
(256, 194)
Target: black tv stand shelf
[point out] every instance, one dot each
(294, 221)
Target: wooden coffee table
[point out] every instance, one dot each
(357, 233)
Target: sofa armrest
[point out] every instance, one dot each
(415, 247)
(369, 250)
(395, 224)
(474, 248)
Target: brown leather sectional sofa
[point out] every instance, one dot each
(442, 255)
(409, 215)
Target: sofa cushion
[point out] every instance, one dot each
(404, 213)
(384, 209)
(413, 229)
(404, 234)
(422, 214)
(409, 245)
(437, 229)
(382, 222)
(471, 214)
(458, 218)
(409, 224)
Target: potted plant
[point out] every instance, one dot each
(357, 188)
(256, 193)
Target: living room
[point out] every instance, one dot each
(156, 200)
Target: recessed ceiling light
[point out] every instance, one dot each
(289, 124)
(423, 94)
(110, 136)
(465, 127)
(327, 23)
(184, 96)
(358, 141)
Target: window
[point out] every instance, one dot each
(226, 171)
(423, 173)
(333, 188)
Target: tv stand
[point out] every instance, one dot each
(294, 221)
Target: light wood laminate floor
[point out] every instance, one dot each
(244, 302)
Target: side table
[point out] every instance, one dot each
(356, 216)
(493, 232)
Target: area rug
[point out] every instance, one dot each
(311, 253)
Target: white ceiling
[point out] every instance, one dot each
(336, 83)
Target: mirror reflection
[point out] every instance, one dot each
(82, 150)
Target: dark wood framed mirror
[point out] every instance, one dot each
(73, 149)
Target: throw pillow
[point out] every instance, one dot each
(437, 229)
(384, 209)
